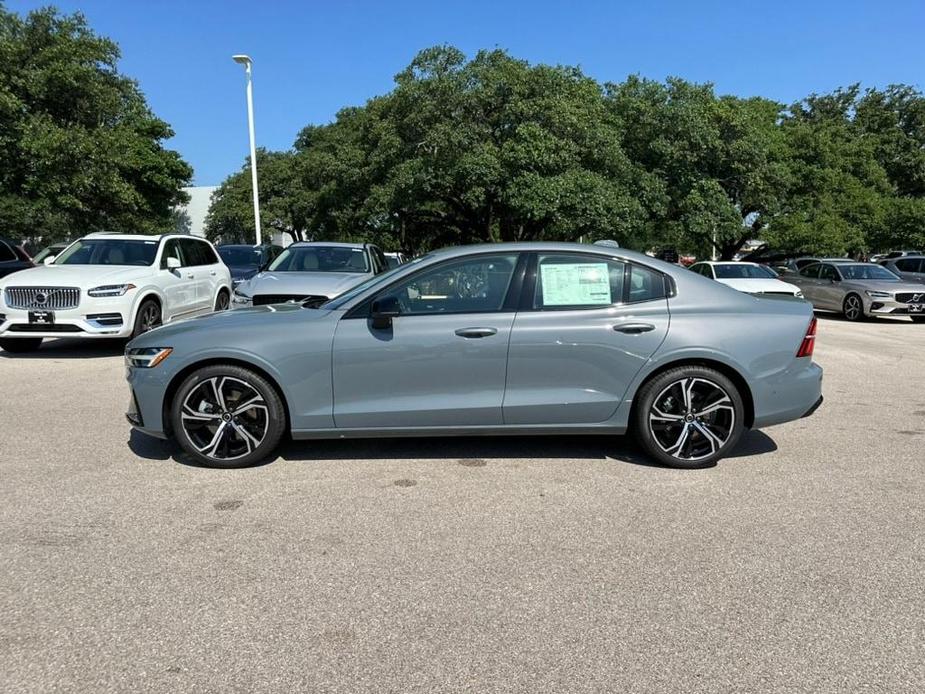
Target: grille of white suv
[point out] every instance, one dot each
(43, 298)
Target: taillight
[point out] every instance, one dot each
(809, 341)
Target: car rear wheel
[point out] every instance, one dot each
(222, 301)
(853, 308)
(148, 317)
(20, 345)
(227, 416)
(689, 417)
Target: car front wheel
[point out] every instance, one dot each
(853, 308)
(148, 317)
(689, 417)
(227, 416)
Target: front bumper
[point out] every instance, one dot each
(892, 307)
(93, 318)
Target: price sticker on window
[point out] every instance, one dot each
(575, 284)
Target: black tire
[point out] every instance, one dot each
(852, 308)
(222, 301)
(917, 319)
(147, 318)
(197, 416)
(20, 345)
(706, 387)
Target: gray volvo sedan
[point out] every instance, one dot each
(528, 338)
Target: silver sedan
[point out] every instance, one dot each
(499, 339)
(859, 290)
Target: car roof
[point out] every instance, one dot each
(328, 244)
(726, 262)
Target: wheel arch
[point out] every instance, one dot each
(178, 378)
(748, 399)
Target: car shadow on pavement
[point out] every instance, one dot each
(71, 348)
(603, 448)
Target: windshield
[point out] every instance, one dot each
(344, 298)
(743, 272)
(236, 256)
(109, 252)
(867, 272)
(321, 259)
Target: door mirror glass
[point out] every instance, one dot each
(383, 310)
(50, 259)
(173, 263)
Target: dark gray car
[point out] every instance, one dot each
(910, 268)
(494, 339)
(859, 290)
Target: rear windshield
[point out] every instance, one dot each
(737, 272)
(239, 255)
(109, 252)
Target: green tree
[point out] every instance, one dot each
(80, 150)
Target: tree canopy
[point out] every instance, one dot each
(497, 149)
(80, 150)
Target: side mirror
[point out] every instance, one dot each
(383, 310)
(173, 263)
(49, 259)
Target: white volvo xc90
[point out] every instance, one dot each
(112, 285)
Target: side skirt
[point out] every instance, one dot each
(499, 430)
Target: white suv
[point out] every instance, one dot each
(112, 285)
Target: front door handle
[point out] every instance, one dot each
(633, 328)
(213, 273)
(190, 276)
(471, 333)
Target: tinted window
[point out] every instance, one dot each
(909, 265)
(172, 250)
(827, 272)
(240, 256)
(108, 252)
(192, 252)
(645, 284)
(473, 285)
(6, 253)
(811, 271)
(208, 253)
(736, 272)
(321, 259)
(804, 262)
(575, 282)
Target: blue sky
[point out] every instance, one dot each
(312, 58)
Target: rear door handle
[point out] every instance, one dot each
(471, 333)
(633, 328)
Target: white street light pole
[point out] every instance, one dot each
(246, 61)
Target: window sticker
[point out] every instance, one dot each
(575, 284)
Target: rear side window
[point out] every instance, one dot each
(644, 284)
(909, 265)
(577, 282)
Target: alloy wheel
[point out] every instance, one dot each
(853, 308)
(221, 303)
(150, 317)
(225, 418)
(691, 419)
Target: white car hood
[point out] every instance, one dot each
(329, 284)
(82, 276)
(759, 285)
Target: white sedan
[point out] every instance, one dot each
(750, 278)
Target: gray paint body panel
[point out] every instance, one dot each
(568, 371)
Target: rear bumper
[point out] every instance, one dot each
(813, 409)
(791, 394)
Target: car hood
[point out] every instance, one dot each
(210, 328)
(83, 276)
(879, 286)
(758, 285)
(328, 284)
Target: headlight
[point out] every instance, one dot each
(110, 290)
(879, 295)
(146, 357)
(240, 297)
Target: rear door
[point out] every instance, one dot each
(586, 325)
(442, 361)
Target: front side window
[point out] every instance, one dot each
(473, 285)
(172, 250)
(910, 265)
(827, 272)
(321, 259)
(193, 252)
(577, 282)
(109, 252)
(812, 271)
(6, 253)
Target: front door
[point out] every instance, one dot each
(587, 325)
(442, 361)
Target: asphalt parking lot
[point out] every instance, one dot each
(482, 565)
